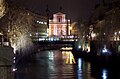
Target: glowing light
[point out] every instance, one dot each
(41, 39)
(14, 35)
(15, 48)
(104, 50)
(93, 35)
(69, 57)
(79, 68)
(51, 55)
(118, 38)
(1, 34)
(14, 69)
(40, 22)
(80, 64)
(14, 61)
(37, 21)
(30, 34)
(115, 33)
(14, 58)
(70, 28)
(8, 30)
(36, 34)
(115, 38)
(51, 39)
(68, 20)
(86, 47)
(23, 43)
(79, 46)
(104, 74)
(104, 33)
(66, 48)
(119, 32)
(45, 23)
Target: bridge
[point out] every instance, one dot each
(55, 42)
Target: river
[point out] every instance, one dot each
(56, 64)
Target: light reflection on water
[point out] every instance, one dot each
(68, 57)
(104, 74)
(79, 68)
(58, 65)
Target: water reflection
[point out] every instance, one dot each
(55, 64)
(79, 68)
(68, 57)
(104, 74)
(84, 69)
(49, 65)
(51, 55)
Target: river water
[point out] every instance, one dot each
(55, 64)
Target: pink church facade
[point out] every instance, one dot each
(59, 25)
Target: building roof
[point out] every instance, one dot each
(59, 13)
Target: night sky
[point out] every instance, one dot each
(75, 9)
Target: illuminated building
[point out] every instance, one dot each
(105, 34)
(39, 27)
(59, 26)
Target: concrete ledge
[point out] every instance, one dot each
(6, 55)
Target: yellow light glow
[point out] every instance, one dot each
(70, 28)
(68, 20)
(1, 34)
(93, 35)
(119, 32)
(118, 38)
(66, 48)
(68, 56)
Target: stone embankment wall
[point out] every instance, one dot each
(6, 62)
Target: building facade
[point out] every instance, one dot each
(39, 27)
(105, 29)
(59, 25)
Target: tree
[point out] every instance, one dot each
(17, 26)
(2, 8)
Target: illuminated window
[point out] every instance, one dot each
(45, 23)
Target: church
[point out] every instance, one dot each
(59, 25)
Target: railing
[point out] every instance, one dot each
(62, 38)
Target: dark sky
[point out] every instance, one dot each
(75, 9)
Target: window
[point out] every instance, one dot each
(59, 19)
